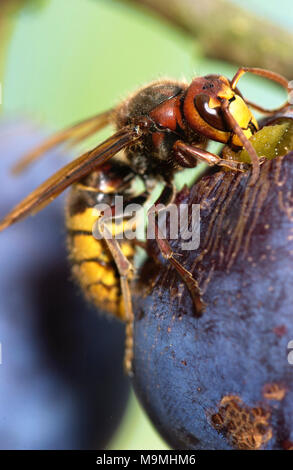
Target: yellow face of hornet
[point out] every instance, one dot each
(244, 117)
(203, 109)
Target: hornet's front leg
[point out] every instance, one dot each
(125, 269)
(166, 198)
(188, 156)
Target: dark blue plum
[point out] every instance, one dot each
(61, 378)
(223, 380)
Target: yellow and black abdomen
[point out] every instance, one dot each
(92, 264)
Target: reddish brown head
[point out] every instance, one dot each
(203, 109)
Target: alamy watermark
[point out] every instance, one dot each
(135, 221)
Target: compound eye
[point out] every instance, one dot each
(212, 116)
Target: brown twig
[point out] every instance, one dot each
(228, 32)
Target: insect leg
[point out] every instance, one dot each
(188, 156)
(166, 198)
(125, 270)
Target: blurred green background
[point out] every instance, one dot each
(65, 60)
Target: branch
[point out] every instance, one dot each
(228, 32)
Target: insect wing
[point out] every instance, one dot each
(73, 134)
(71, 173)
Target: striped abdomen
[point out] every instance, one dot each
(92, 264)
